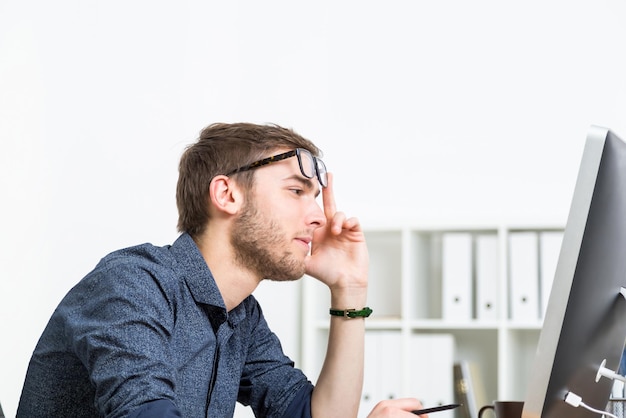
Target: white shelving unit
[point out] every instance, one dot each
(406, 290)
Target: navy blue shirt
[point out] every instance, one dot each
(147, 334)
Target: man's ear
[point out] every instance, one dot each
(224, 195)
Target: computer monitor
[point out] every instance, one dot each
(585, 321)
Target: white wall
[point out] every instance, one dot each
(448, 111)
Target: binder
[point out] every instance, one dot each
(431, 370)
(549, 250)
(469, 389)
(369, 395)
(382, 376)
(390, 365)
(463, 394)
(524, 276)
(456, 271)
(486, 267)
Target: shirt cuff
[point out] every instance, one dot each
(301, 404)
(162, 408)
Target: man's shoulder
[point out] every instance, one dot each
(141, 253)
(146, 254)
(144, 260)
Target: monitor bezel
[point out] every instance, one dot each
(559, 365)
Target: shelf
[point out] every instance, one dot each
(524, 326)
(370, 323)
(446, 325)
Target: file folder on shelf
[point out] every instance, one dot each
(549, 250)
(456, 271)
(431, 370)
(372, 359)
(524, 276)
(382, 369)
(486, 267)
(469, 390)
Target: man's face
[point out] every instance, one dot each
(273, 232)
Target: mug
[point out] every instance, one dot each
(504, 409)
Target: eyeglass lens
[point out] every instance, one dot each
(321, 172)
(310, 166)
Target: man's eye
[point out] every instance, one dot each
(297, 191)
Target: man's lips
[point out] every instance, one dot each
(305, 241)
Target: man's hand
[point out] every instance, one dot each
(396, 408)
(339, 255)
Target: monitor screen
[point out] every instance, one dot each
(585, 321)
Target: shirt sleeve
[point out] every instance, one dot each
(270, 383)
(162, 408)
(301, 404)
(121, 320)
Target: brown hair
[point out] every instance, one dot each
(220, 149)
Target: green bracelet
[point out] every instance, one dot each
(352, 313)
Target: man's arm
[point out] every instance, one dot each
(120, 326)
(338, 389)
(339, 259)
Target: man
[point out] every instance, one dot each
(175, 331)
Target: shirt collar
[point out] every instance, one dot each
(200, 280)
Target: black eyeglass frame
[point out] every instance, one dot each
(320, 173)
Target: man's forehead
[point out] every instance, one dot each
(289, 170)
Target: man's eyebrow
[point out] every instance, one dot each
(308, 184)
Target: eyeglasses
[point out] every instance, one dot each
(310, 166)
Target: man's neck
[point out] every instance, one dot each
(233, 280)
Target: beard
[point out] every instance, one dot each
(260, 246)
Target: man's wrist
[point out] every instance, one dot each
(343, 298)
(351, 313)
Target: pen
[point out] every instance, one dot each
(436, 408)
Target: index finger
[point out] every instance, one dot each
(328, 197)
